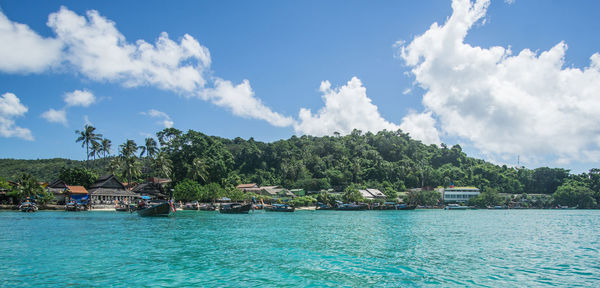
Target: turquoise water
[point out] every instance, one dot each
(498, 248)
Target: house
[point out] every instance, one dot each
(153, 190)
(250, 187)
(109, 189)
(57, 188)
(460, 194)
(365, 194)
(77, 193)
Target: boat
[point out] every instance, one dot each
(455, 207)
(280, 208)
(28, 206)
(157, 210)
(207, 207)
(405, 207)
(74, 206)
(191, 206)
(352, 207)
(323, 206)
(123, 207)
(235, 208)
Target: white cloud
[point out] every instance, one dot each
(11, 107)
(56, 116)
(23, 50)
(241, 101)
(94, 47)
(346, 108)
(97, 49)
(421, 126)
(506, 104)
(165, 120)
(82, 98)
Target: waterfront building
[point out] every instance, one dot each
(57, 188)
(154, 188)
(460, 194)
(77, 193)
(108, 189)
(371, 194)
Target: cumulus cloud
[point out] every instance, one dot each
(92, 45)
(11, 107)
(23, 50)
(421, 126)
(505, 104)
(165, 120)
(346, 108)
(82, 98)
(56, 116)
(241, 101)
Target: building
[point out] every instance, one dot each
(57, 188)
(460, 194)
(249, 188)
(371, 194)
(109, 189)
(76, 193)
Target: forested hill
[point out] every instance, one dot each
(386, 160)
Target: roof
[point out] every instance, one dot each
(57, 184)
(376, 193)
(77, 190)
(246, 186)
(108, 181)
(157, 180)
(111, 192)
(366, 194)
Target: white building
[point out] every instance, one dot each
(460, 194)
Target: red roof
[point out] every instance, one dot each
(77, 190)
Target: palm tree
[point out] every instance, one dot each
(131, 167)
(86, 137)
(96, 148)
(150, 148)
(199, 170)
(163, 164)
(106, 147)
(115, 165)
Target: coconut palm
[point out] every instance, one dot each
(87, 137)
(199, 170)
(96, 148)
(131, 167)
(106, 147)
(115, 166)
(163, 165)
(150, 149)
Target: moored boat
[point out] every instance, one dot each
(28, 206)
(455, 207)
(74, 206)
(405, 207)
(156, 210)
(352, 207)
(280, 208)
(235, 208)
(191, 206)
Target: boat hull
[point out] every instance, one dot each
(160, 210)
(280, 209)
(237, 209)
(351, 207)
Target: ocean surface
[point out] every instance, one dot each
(489, 248)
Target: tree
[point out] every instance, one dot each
(187, 190)
(199, 170)
(213, 192)
(489, 197)
(424, 198)
(150, 148)
(96, 148)
(163, 165)
(575, 194)
(87, 137)
(131, 168)
(351, 194)
(30, 187)
(106, 143)
(77, 176)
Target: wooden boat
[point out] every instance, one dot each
(280, 208)
(322, 206)
(191, 206)
(28, 206)
(235, 208)
(74, 207)
(157, 210)
(352, 207)
(405, 207)
(455, 207)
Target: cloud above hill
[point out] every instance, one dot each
(504, 103)
(10, 108)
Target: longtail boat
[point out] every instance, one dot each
(235, 208)
(28, 206)
(280, 208)
(158, 210)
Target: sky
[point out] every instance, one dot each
(513, 82)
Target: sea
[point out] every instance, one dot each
(420, 248)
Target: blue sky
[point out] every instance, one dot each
(273, 69)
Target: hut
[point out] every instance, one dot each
(109, 189)
(57, 188)
(76, 193)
